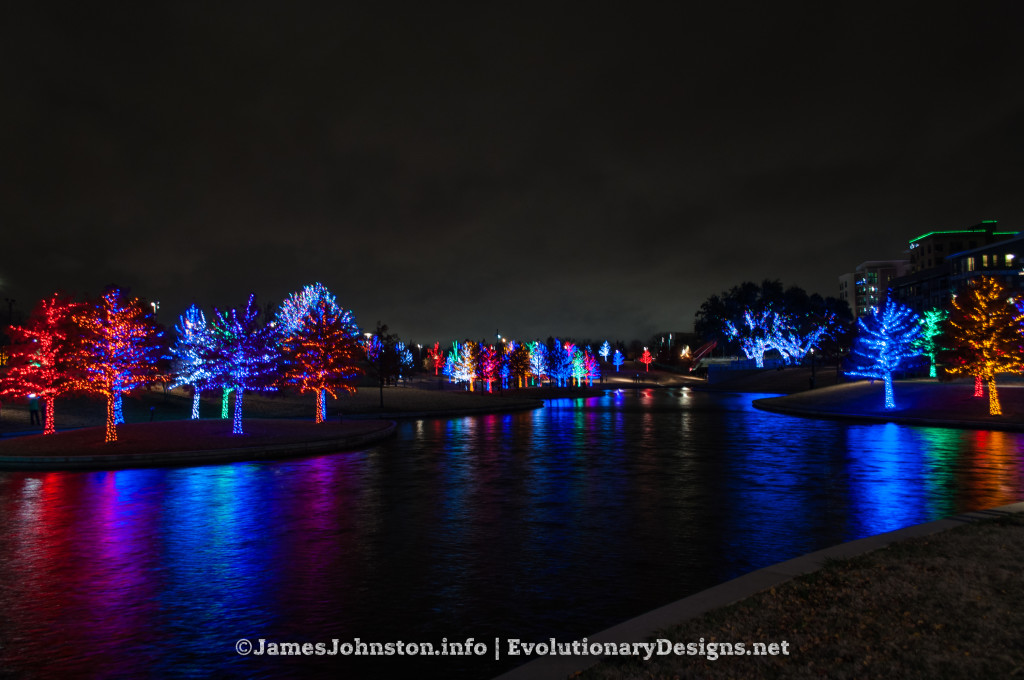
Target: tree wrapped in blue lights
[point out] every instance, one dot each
(761, 331)
(794, 345)
(192, 354)
(886, 338)
(246, 356)
(618, 359)
(560, 362)
(319, 344)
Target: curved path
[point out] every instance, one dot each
(645, 626)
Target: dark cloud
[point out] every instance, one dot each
(452, 173)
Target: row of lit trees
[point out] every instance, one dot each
(524, 362)
(981, 335)
(113, 345)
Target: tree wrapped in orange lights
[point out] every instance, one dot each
(319, 346)
(118, 350)
(40, 364)
(984, 329)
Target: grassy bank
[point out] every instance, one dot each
(924, 401)
(948, 605)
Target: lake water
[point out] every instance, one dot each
(558, 522)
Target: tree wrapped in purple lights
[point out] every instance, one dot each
(886, 339)
(246, 357)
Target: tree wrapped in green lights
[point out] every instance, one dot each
(886, 338)
(931, 329)
(984, 327)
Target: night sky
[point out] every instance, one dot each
(535, 171)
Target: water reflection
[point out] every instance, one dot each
(557, 522)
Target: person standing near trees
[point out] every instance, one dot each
(33, 410)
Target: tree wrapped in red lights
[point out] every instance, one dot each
(489, 364)
(40, 362)
(984, 330)
(118, 350)
(591, 366)
(319, 346)
(436, 356)
(646, 359)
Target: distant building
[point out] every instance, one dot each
(1003, 260)
(943, 261)
(866, 286)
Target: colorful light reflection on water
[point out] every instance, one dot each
(556, 522)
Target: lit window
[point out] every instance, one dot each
(1009, 259)
(984, 260)
(970, 264)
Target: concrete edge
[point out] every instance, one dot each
(767, 404)
(179, 458)
(645, 626)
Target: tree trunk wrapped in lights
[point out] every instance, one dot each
(192, 354)
(118, 351)
(40, 359)
(886, 338)
(319, 345)
(245, 354)
(984, 330)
